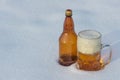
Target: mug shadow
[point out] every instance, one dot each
(113, 39)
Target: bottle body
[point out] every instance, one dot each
(67, 49)
(68, 43)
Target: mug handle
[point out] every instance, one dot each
(105, 56)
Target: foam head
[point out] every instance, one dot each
(89, 41)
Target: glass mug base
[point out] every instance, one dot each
(90, 62)
(89, 67)
(66, 60)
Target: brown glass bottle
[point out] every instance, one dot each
(68, 42)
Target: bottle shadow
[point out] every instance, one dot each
(113, 39)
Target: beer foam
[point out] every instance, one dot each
(88, 42)
(89, 34)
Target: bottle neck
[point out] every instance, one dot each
(68, 24)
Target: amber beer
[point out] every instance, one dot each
(89, 50)
(68, 41)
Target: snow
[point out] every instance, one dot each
(29, 32)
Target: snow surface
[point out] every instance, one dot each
(29, 32)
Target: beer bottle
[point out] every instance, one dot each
(68, 41)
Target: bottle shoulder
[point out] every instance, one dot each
(68, 34)
(68, 37)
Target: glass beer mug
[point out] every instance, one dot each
(90, 55)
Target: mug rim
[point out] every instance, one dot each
(99, 36)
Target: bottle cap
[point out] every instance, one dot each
(68, 12)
